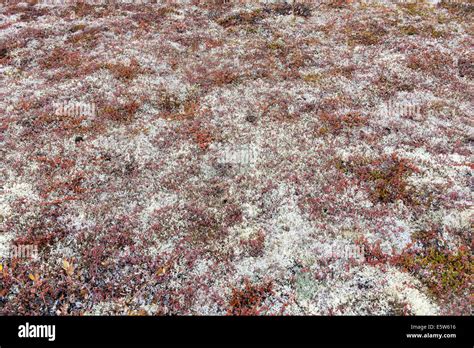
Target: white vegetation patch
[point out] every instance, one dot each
(104, 308)
(11, 192)
(5, 240)
(158, 201)
(396, 235)
(367, 290)
(287, 238)
(16, 190)
(459, 219)
(405, 289)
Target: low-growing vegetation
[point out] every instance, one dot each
(220, 158)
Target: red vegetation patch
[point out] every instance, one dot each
(125, 71)
(250, 299)
(44, 229)
(243, 18)
(255, 245)
(121, 111)
(201, 136)
(55, 163)
(434, 62)
(71, 64)
(27, 13)
(335, 124)
(386, 177)
(60, 58)
(208, 77)
(86, 37)
(223, 77)
(65, 125)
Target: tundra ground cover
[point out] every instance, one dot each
(223, 158)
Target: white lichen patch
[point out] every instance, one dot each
(368, 290)
(5, 244)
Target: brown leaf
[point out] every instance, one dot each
(161, 271)
(68, 268)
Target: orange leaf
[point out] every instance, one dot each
(161, 271)
(68, 268)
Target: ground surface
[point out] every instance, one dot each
(236, 159)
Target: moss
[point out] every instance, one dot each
(243, 18)
(386, 178)
(276, 45)
(435, 33)
(169, 102)
(312, 78)
(125, 72)
(428, 31)
(461, 8)
(417, 9)
(409, 30)
(365, 38)
(335, 124)
(443, 271)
